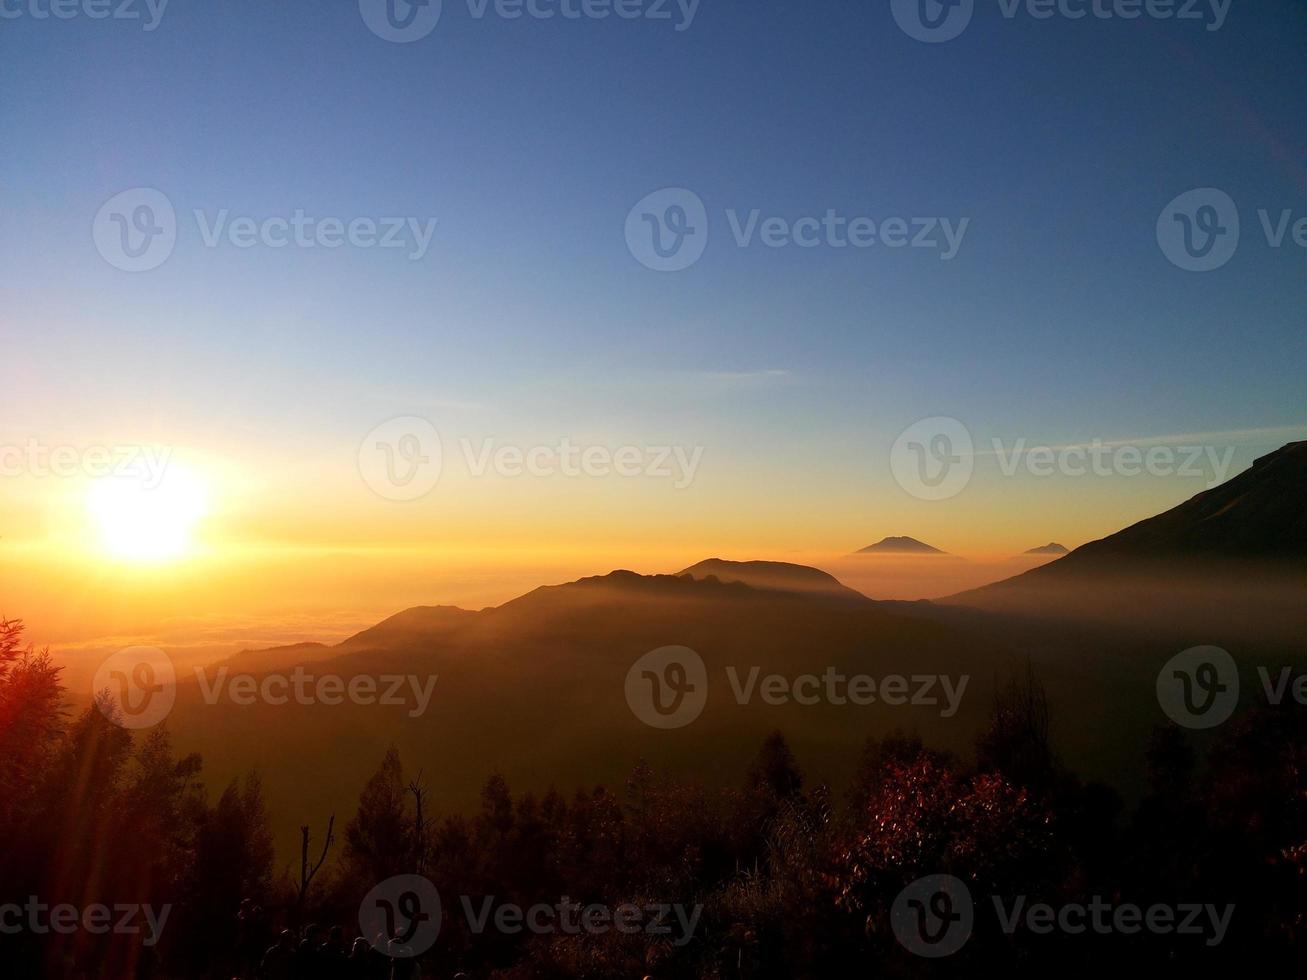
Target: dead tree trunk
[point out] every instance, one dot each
(309, 872)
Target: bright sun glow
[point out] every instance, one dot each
(141, 520)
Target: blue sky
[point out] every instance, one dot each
(529, 141)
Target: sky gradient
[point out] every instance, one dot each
(1059, 321)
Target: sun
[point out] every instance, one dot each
(147, 519)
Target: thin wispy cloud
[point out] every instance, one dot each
(754, 377)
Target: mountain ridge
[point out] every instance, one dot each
(771, 575)
(1256, 515)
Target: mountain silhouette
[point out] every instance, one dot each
(899, 546)
(776, 575)
(1257, 515)
(1052, 548)
(536, 688)
(1227, 565)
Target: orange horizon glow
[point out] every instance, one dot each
(229, 550)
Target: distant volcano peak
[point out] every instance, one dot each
(900, 546)
(1052, 548)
